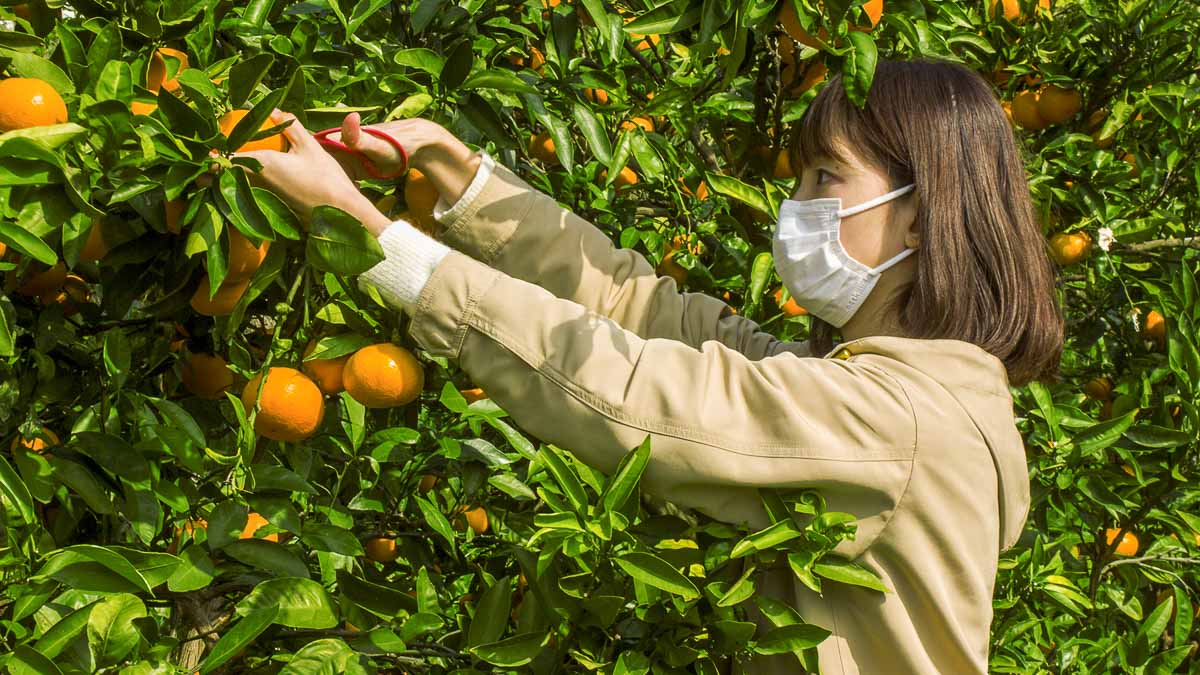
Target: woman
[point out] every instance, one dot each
(935, 273)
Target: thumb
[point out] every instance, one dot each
(352, 130)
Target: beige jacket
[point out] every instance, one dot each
(587, 348)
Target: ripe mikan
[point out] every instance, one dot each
(1057, 104)
(29, 102)
(96, 246)
(327, 373)
(291, 406)
(157, 78)
(700, 193)
(598, 96)
(381, 549)
(626, 177)
(1098, 388)
(427, 483)
(1155, 328)
(475, 518)
(173, 210)
(421, 196)
(1129, 159)
(244, 257)
(472, 395)
(254, 521)
(206, 376)
(383, 376)
(789, 308)
(140, 108)
(641, 121)
(273, 142)
(223, 302)
(38, 444)
(541, 147)
(790, 22)
(43, 282)
(1025, 111)
(1128, 545)
(1069, 248)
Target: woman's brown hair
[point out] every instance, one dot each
(984, 274)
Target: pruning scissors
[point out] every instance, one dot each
(368, 165)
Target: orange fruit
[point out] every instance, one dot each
(790, 22)
(386, 203)
(475, 518)
(809, 76)
(1057, 104)
(384, 376)
(1025, 110)
(421, 196)
(178, 336)
(139, 108)
(381, 549)
(1128, 545)
(1129, 159)
(244, 258)
(701, 192)
(644, 43)
(291, 405)
(640, 121)
(207, 376)
(174, 208)
(96, 246)
(1011, 8)
(789, 308)
(274, 142)
(223, 302)
(254, 521)
(1007, 107)
(156, 78)
(1128, 470)
(541, 147)
(783, 165)
(626, 178)
(44, 282)
(327, 373)
(39, 444)
(598, 96)
(3, 249)
(427, 483)
(73, 292)
(29, 102)
(1068, 249)
(1155, 328)
(190, 526)
(1098, 388)
(473, 395)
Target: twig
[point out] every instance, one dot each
(1154, 244)
(1144, 558)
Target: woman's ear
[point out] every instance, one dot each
(907, 214)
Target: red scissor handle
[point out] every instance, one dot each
(368, 165)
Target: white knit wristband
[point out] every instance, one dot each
(411, 258)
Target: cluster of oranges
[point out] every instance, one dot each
(292, 402)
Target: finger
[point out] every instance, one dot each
(352, 129)
(295, 132)
(267, 158)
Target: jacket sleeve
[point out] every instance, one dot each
(575, 378)
(506, 223)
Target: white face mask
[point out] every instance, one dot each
(815, 268)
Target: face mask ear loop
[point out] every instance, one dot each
(877, 201)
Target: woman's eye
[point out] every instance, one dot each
(821, 172)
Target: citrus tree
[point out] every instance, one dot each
(220, 454)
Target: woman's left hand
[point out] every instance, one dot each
(307, 177)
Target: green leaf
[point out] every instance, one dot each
(111, 631)
(196, 571)
(268, 556)
(566, 478)
(61, 634)
(245, 76)
(859, 68)
(1093, 440)
(421, 59)
(848, 573)
(732, 187)
(670, 17)
(50, 136)
(15, 491)
(654, 571)
(249, 126)
(491, 614)
(512, 652)
(339, 244)
(239, 636)
(25, 660)
(71, 555)
(27, 243)
(325, 656)
(435, 519)
(1151, 436)
(23, 64)
(500, 80)
(301, 603)
(275, 477)
(791, 638)
(117, 356)
(327, 537)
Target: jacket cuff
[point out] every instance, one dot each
(453, 291)
(488, 221)
(411, 257)
(447, 214)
